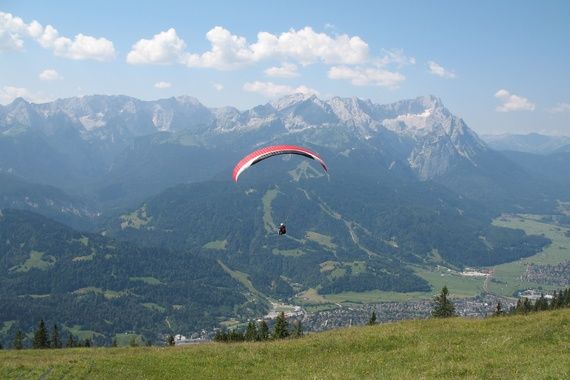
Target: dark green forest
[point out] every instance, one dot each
(107, 286)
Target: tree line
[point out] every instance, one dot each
(257, 332)
(43, 338)
(560, 299)
(442, 307)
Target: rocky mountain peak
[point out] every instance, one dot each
(292, 100)
(430, 136)
(188, 100)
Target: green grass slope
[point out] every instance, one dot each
(534, 346)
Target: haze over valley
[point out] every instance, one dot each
(88, 182)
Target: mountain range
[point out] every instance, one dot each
(117, 150)
(529, 143)
(410, 185)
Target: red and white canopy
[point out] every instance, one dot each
(269, 151)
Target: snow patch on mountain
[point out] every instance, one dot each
(430, 137)
(91, 122)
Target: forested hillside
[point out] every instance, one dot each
(104, 287)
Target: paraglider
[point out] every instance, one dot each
(270, 151)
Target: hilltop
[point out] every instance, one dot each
(530, 346)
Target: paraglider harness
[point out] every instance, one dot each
(282, 229)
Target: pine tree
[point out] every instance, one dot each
(41, 336)
(527, 305)
(499, 310)
(372, 320)
(541, 303)
(70, 341)
(55, 341)
(562, 295)
(555, 302)
(235, 336)
(281, 329)
(251, 332)
(18, 343)
(443, 307)
(263, 331)
(297, 330)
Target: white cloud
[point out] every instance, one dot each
(513, 102)
(86, 47)
(436, 69)
(359, 76)
(272, 90)
(229, 51)
(49, 75)
(9, 93)
(162, 85)
(304, 46)
(218, 86)
(286, 70)
(559, 108)
(13, 31)
(307, 46)
(162, 48)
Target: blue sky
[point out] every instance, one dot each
(501, 65)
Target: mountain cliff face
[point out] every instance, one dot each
(427, 136)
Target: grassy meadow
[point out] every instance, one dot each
(533, 346)
(506, 278)
(509, 274)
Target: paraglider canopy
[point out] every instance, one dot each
(269, 151)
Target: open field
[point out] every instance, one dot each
(533, 346)
(557, 252)
(216, 244)
(268, 222)
(36, 260)
(508, 276)
(374, 296)
(459, 285)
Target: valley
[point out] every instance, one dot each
(414, 200)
